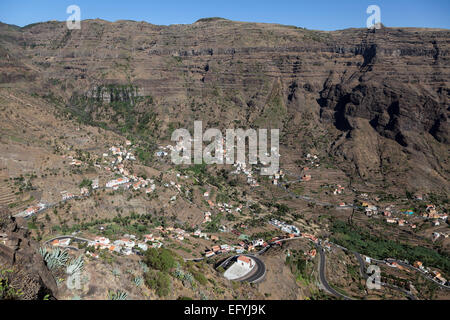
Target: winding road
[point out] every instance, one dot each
(364, 274)
(253, 276)
(323, 279)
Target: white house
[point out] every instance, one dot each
(258, 242)
(101, 240)
(148, 237)
(197, 233)
(157, 245)
(64, 242)
(117, 182)
(125, 242)
(142, 246)
(67, 196)
(245, 262)
(95, 184)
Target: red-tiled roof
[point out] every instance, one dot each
(244, 259)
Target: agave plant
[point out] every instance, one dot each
(55, 258)
(179, 274)
(203, 296)
(138, 281)
(188, 277)
(144, 267)
(116, 272)
(42, 251)
(118, 295)
(75, 265)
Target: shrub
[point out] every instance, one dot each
(159, 259)
(158, 281)
(200, 277)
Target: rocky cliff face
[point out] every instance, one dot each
(19, 253)
(379, 97)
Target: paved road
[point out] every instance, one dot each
(351, 206)
(323, 278)
(418, 270)
(255, 275)
(311, 200)
(51, 205)
(67, 237)
(365, 276)
(362, 269)
(260, 271)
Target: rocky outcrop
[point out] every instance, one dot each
(19, 253)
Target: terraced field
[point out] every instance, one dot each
(6, 193)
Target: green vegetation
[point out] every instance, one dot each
(266, 235)
(138, 281)
(7, 291)
(363, 242)
(282, 210)
(159, 281)
(86, 183)
(54, 259)
(299, 267)
(200, 277)
(316, 36)
(118, 295)
(126, 112)
(213, 225)
(160, 259)
(210, 19)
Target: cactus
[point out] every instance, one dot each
(75, 265)
(138, 281)
(118, 295)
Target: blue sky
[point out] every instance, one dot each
(311, 14)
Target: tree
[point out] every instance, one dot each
(160, 259)
(86, 183)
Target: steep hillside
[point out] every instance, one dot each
(374, 103)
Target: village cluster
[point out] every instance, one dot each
(433, 274)
(399, 218)
(115, 162)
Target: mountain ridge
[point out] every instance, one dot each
(387, 88)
